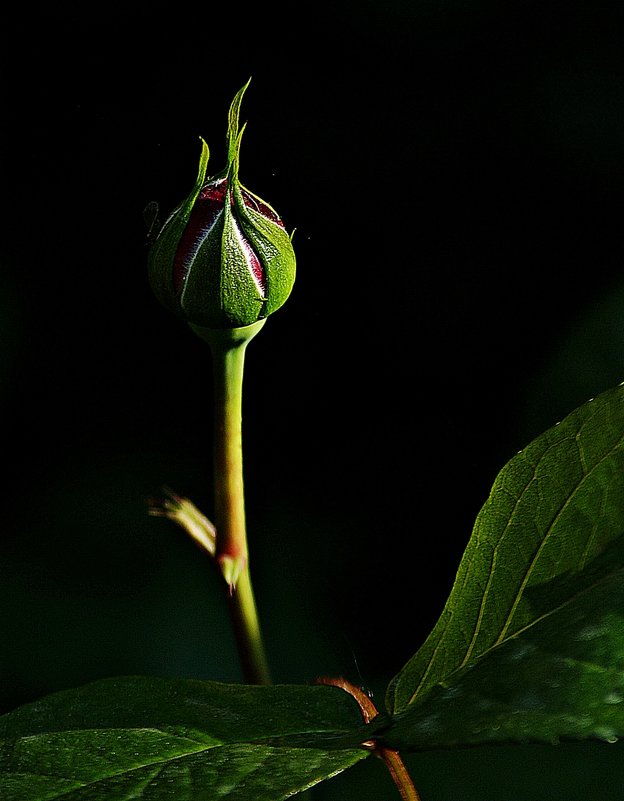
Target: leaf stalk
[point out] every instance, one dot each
(391, 758)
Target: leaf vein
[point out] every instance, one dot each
(557, 517)
(495, 551)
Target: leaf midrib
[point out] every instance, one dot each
(501, 638)
(148, 763)
(589, 588)
(564, 506)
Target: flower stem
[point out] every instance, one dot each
(228, 357)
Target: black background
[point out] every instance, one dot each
(455, 176)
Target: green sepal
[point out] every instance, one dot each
(233, 134)
(274, 247)
(163, 251)
(223, 293)
(242, 300)
(160, 258)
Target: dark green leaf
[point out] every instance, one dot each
(562, 678)
(150, 738)
(533, 616)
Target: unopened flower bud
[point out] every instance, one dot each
(223, 258)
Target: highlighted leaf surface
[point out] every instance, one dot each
(149, 738)
(530, 645)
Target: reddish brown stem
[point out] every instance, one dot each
(390, 757)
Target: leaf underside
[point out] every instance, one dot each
(530, 644)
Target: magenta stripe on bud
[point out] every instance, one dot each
(205, 213)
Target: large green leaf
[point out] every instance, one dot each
(152, 739)
(530, 644)
(561, 678)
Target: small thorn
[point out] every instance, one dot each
(232, 568)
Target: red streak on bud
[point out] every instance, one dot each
(203, 216)
(253, 262)
(258, 205)
(208, 206)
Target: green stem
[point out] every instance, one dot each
(228, 357)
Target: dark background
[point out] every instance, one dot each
(455, 175)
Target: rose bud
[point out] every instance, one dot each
(223, 258)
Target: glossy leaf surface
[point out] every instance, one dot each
(149, 738)
(561, 679)
(530, 645)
